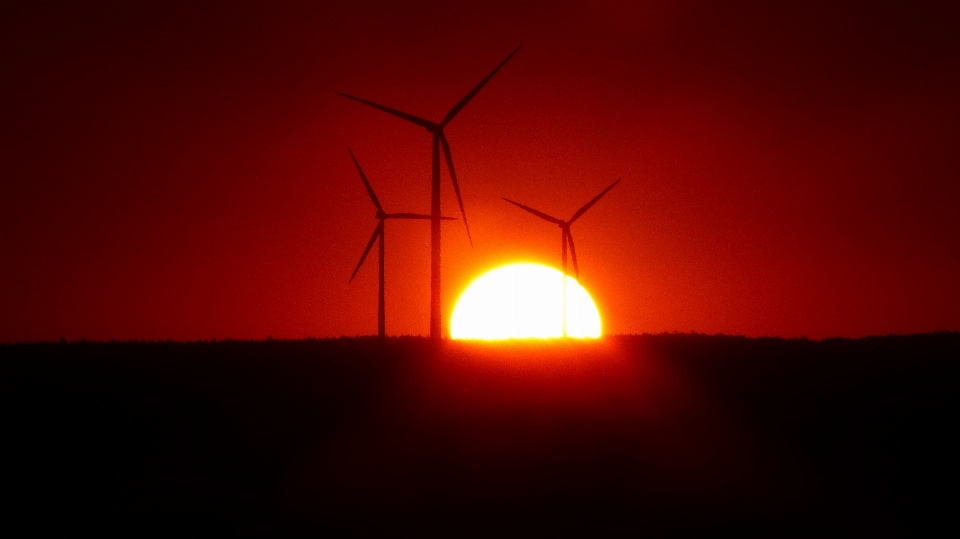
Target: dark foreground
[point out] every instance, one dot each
(671, 435)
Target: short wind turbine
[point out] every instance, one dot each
(565, 237)
(378, 233)
(439, 140)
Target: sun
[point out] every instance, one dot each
(523, 301)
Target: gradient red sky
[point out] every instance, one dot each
(181, 171)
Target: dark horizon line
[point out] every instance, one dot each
(426, 338)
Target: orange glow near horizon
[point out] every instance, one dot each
(523, 301)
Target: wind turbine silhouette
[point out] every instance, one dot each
(439, 140)
(378, 233)
(566, 236)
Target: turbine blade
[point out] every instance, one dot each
(373, 196)
(399, 114)
(592, 202)
(456, 185)
(376, 234)
(539, 214)
(573, 254)
(463, 102)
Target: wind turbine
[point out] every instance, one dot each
(565, 237)
(439, 140)
(378, 233)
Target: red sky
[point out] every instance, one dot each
(180, 171)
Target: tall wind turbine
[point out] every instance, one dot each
(439, 140)
(378, 233)
(566, 236)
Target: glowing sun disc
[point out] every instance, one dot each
(523, 301)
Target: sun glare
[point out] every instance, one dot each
(523, 301)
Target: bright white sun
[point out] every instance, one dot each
(523, 301)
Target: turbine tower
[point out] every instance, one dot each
(565, 237)
(378, 233)
(439, 141)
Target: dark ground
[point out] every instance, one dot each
(667, 435)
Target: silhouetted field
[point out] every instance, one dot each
(668, 435)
